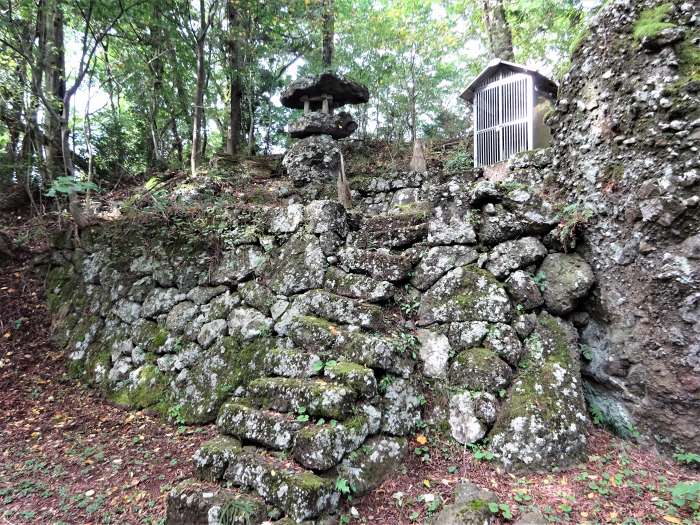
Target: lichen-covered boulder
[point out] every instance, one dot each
(376, 459)
(504, 341)
(211, 331)
(200, 295)
(466, 293)
(513, 255)
(193, 503)
(248, 323)
(567, 278)
(380, 264)
(434, 352)
(438, 261)
(480, 369)
(286, 219)
(295, 267)
(360, 378)
(471, 507)
(358, 286)
(343, 310)
(467, 334)
(471, 415)
(451, 226)
(501, 225)
(160, 300)
(320, 447)
(257, 296)
(400, 407)
(207, 378)
(237, 264)
(313, 159)
(524, 290)
(391, 230)
(180, 315)
(543, 423)
(270, 429)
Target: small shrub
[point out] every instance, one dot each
(459, 161)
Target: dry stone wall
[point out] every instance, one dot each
(323, 333)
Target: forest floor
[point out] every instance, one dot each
(68, 456)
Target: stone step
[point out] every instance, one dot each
(271, 429)
(300, 493)
(192, 502)
(323, 337)
(314, 397)
(321, 447)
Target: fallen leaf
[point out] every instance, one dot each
(421, 439)
(671, 519)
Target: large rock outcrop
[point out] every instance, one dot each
(627, 132)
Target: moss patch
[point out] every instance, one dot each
(651, 22)
(150, 391)
(229, 364)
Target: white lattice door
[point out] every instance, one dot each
(503, 112)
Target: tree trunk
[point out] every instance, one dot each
(196, 153)
(56, 86)
(328, 23)
(500, 37)
(233, 143)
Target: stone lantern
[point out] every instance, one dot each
(316, 157)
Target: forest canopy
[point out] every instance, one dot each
(96, 91)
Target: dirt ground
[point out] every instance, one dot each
(67, 456)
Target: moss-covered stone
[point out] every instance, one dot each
(368, 467)
(270, 429)
(543, 423)
(229, 364)
(466, 293)
(480, 369)
(149, 335)
(317, 397)
(320, 447)
(358, 377)
(147, 388)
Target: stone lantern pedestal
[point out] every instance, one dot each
(316, 157)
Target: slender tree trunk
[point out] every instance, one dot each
(499, 34)
(328, 23)
(56, 86)
(233, 143)
(196, 153)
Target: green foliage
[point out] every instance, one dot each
(480, 453)
(384, 383)
(459, 161)
(301, 414)
(319, 365)
(175, 414)
(540, 280)
(572, 219)
(66, 185)
(686, 494)
(502, 509)
(687, 458)
(232, 511)
(406, 343)
(651, 21)
(343, 486)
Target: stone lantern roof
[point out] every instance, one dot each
(310, 93)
